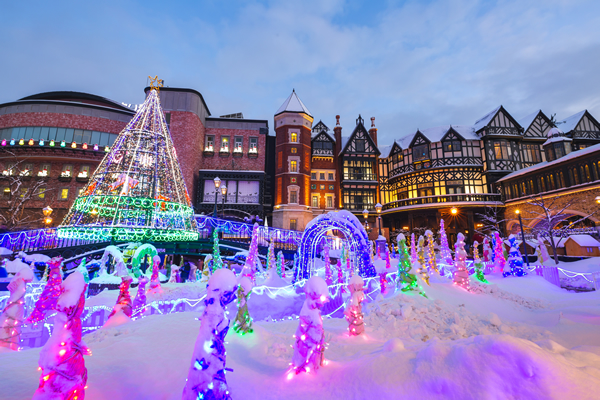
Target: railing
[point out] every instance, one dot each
(447, 198)
(359, 177)
(42, 239)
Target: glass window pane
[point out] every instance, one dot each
(52, 133)
(69, 135)
(111, 139)
(21, 133)
(36, 133)
(87, 137)
(28, 133)
(77, 136)
(60, 134)
(95, 137)
(104, 139)
(44, 133)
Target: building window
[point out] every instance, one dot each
(253, 145)
(280, 159)
(358, 170)
(452, 145)
(66, 171)
(313, 176)
(23, 192)
(293, 166)
(6, 193)
(330, 176)
(27, 170)
(238, 145)
(322, 187)
(360, 145)
(420, 152)
(225, 144)
(315, 201)
(313, 187)
(502, 150)
(44, 170)
(293, 180)
(42, 193)
(329, 201)
(210, 143)
(322, 176)
(9, 170)
(294, 137)
(294, 197)
(331, 187)
(84, 171)
(63, 194)
(293, 224)
(294, 150)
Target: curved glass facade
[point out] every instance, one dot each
(69, 135)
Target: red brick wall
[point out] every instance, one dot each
(61, 121)
(243, 163)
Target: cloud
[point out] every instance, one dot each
(411, 64)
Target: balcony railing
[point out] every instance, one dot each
(447, 198)
(359, 177)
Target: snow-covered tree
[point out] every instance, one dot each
(206, 375)
(123, 305)
(353, 312)
(413, 249)
(461, 275)
(243, 320)
(422, 267)
(492, 219)
(64, 375)
(280, 265)
(175, 275)
(271, 254)
(216, 257)
(445, 253)
(86, 275)
(431, 263)
(249, 268)
(139, 302)
(309, 345)
(12, 317)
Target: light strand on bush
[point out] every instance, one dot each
(422, 267)
(217, 260)
(431, 263)
(478, 264)
(12, 316)
(499, 260)
(461, 275)
(327, 262)
(515, 260)
(445, 253)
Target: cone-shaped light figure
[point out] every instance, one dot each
(137, 192)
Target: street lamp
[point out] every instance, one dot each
(518, 212)
(365, 216)
(453, 210)
(598, 199)
(47, 211)
(224, 193)
(378, 209)
(217, 184)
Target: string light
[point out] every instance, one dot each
(461, 275)
(478, 264)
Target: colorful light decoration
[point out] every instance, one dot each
(406, 281)
(106, 149)
(431, 263)
(217, 260)
(499, 260)
(515, 260)
(12, 142)
(84, 146)
(21, 142)
(31, 142)
(353, 312)
(327, 262)
(52, 144)
(41, 142)
(52, 291)
(461, 275)
(243, 320)
(445, 253)
(74, 145)
(421, 260)
(3, 142)
(11, 318)
(159, 210)
(95, 147)
(478, 264)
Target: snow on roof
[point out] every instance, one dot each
(557, 139)
(528, 120)
(293, 104)
(485, 119)
(570, 123)
(385, 150)
(558, 241)
(570, 156)
(344, 142)
(436, 134)
(584, 240)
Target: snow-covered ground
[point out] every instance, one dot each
(516, 338)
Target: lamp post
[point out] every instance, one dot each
(378, 209)
(518, 212)
(454, 211)
(47, 211)
(217, 184)
(365, 216)
(224, 193)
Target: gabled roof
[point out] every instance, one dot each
(568, 124)
(293, 104)
(324, 133)
(437, 134)
(418, 134)
(526, 121)
(359, 127)
(482, 122)
(386, 150)
(584, 240)
(320, 126)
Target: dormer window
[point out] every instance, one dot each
(420, 152)
(451, 145)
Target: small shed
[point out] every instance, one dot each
(582, 246)
(560, 246)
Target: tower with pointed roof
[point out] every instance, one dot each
(293, 126)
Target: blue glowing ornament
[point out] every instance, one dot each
(41, 142)
(12, 142)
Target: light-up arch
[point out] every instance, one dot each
(346, 223)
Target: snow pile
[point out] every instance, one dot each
(421, 319)
(495, 291)
(12, 267)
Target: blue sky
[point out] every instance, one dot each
(411, 64)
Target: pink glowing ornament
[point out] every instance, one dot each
(13, 314)
(309, 345)
(445, 253)
(95, 147)
(64, 375)
(3, 142)
(499, 260)
(353, 312)
(51, 292)
(487, 250)
(340, 276)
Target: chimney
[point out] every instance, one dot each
(337, 135)
(373, 131)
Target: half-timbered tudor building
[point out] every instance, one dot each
(582, 128)
(324, 186)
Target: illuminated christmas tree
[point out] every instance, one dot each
(421, 260)
(515, 260)
(353, 312)
(478, 264)
(499, 260)
(280, 265)
(461, 275)
(413, 249)
(12, 316)
(64, 375)
(487, 250)
(51, 292)
(249, 269)
(86, 275)
(340, 273)
(406, 281)
(445, 253)
(217, 261)
(154, 280)
(271, 255)
(431, 263)
(137, 193)
(139, 303)
(243, 321)
(206, 376)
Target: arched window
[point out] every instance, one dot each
(294, 138)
